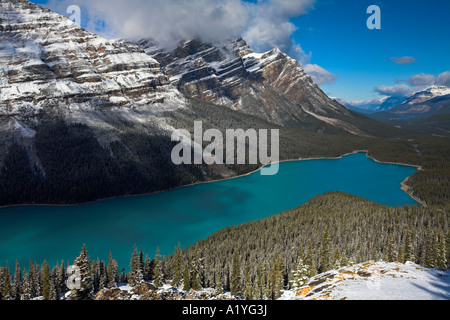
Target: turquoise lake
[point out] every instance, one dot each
(187, 214)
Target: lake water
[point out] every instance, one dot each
(187, 214)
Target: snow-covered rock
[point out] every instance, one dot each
(376, 281)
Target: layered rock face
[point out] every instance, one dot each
(270, 85)
(47, 60)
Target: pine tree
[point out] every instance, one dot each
(157, 270)
(441, 261)
(6, 294)
(248, 289)
(259, 284)
(136, 275)
(177, 278)
(276, 278)
(26, 287)
(447, 249)
(429, 260)
(300, 275)
(325, 252)
(83, 264)
(148, 269)
(219, 280)
(62, 277)
(17, 288)
(112, 272)
(46, 282)
(235, 276)
(336, 259)
(196, 282)
(390, 251)
(408, 250)
(55, 282)
(186, 280)
(35, 280)
(103, 283)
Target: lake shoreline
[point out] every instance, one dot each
(404, 185)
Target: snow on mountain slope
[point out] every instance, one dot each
(49, 61)
(270, 85)
(427, 94)
(376, 281)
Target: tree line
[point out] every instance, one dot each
(260, 259)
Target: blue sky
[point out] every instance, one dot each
(335, 33)
(353, 60)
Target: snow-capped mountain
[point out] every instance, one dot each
(270, 85)
(104, 110)
(425, 103)
(427, 94)
(45, 56)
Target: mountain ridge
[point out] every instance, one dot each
(84, 118)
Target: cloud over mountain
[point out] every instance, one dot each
(398, 90)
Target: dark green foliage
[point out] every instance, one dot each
(136, 274)
(257, 260)
(157, 270)
(86, 289)
(330, 227)
(74, 167)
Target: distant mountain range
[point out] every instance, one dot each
(425, 110)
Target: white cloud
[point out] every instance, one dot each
(422, 79)
(398, 90)
(166, 21)
(403, 60)
(269, 23)
(320, 75)
(264, 24)
(375, 101)
(443, 79)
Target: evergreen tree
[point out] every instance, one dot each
(112, 272)
(17, 288)
(390, 251)
(46, 282)
(177, 278)
(248, 288)
(26, 287)
(447, 248)
(325, 252)
(235, 276)
(441, 261)
(86, 287)
(277, 279)
(300, 275)
(186, 280)
(336, 259)
(123, 277)
(408, 250)
(6, 294)
(136, 275)
(103, 277)
(148, 269)
(195, 271)
(219, 279)
(157, 270)
(430, 251)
